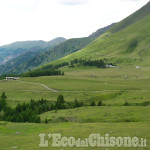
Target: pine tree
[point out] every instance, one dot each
(76, 104)
(46, 121)
(100, 103)
(60, 102)
(93, 103)
(3, 96)
(3, 104)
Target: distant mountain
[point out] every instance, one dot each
(127, 43)
(68, 47)
(56, 41)
(8, 52)
(17, 53)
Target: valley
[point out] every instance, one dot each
(76, 87)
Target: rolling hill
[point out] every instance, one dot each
(31, 60)
(127, 43)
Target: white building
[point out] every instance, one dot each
(12, 78)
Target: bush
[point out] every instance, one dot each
(126, 104)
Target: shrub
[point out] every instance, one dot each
(126, 104)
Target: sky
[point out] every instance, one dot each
(22, 20)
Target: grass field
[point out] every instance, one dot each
(110, 114)
(28, 137)
(108, 85)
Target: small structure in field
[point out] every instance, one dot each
(110, 66)
(12, 78)
(138, 67)
(125, 77)
(92, 75)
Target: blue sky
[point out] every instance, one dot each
(47, 19)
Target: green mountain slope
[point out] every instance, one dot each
(128, 42)
(13, 50)
(59, 51)
(7, 52)
(132, 18)
(21, 52)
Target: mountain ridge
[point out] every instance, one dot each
(128, 46)
(143, 11)
(63, 49)
(18, 48)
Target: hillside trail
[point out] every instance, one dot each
(50, 89)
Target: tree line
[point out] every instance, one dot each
(29, 112)
(78, 62)
(88, 62)
(42, 72)
(36, 73)
(52, 70)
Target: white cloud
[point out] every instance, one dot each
(19, 5)
(72, 2)
(47, 19)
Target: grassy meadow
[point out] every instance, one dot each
(26, 136)
(108, 85)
